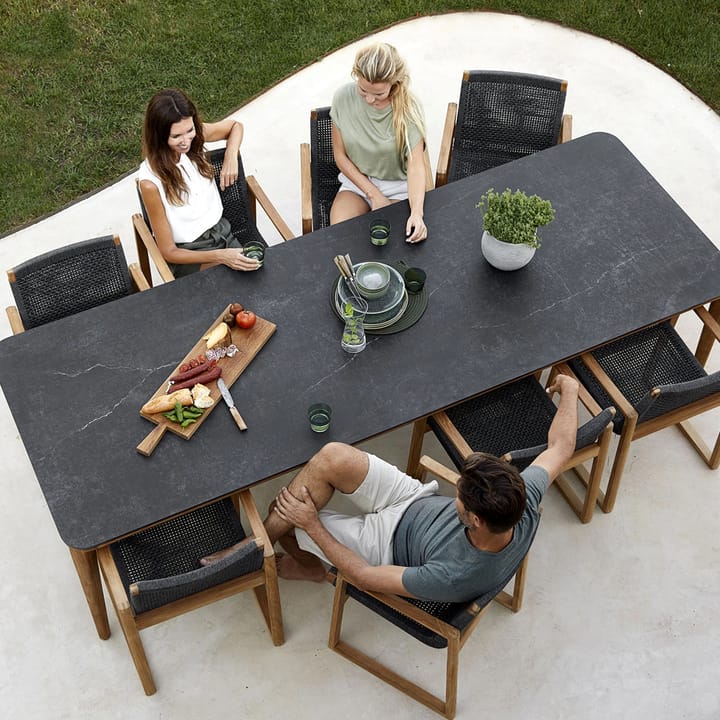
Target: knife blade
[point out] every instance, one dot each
(227, 397)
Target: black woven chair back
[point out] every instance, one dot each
(164, 560)
(323, 170)
(458, 615)
(503, 116)
(513, 416)
(654, 357)
(236, 201)
(69, 280)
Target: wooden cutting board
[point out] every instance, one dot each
(249, 343)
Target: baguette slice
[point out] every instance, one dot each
(165, 403)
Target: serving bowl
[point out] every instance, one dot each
(382, 305)
(372, 279)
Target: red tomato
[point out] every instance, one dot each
(245, 319)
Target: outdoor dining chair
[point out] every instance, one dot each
(239, 201)
(319, 182)
(500, 116)
(654, 381)
(70, 279)
(155, 575)
(436, 624)
(512, 422)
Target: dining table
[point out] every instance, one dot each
(620, 255)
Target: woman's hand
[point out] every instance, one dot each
(415, 229)
(378, 200)
(235, 260)
(229, 171)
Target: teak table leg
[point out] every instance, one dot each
(89, 574)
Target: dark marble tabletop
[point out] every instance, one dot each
(620, 255)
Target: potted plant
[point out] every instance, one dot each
(510, 223)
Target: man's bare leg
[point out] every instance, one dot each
(336, 466)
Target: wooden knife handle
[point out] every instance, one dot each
(153, 438)
(238, 418)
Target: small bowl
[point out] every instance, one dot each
(372, 279)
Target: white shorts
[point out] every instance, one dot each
(381, 498)
(391, 189)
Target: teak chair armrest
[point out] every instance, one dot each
(446, 145)
(146, 246)
(138, 277)
(305, 188)
(257, 194)
(619, 400)
(16, 324)
(566, 129)
(430, 465)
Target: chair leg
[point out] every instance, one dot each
(711, 457)
(268, 597)
(420, 427)
(137, 651)
(623, 448)
(445, 707)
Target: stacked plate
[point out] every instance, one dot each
(382, 311)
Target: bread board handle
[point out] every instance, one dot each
(147, 446)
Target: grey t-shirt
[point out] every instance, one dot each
(442, 564)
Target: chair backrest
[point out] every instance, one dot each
(587, 434)
(323, 170)
(160, 564)
(237, 208)
(503, 116)
(70, 279)
(236, 201)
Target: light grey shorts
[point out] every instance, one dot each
(381, 499)
(391, 189)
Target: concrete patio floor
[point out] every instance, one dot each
(620, 616)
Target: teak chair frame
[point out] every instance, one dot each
(448, 135)
(136, 275)
(680, 417)
(597, 452)
(456, 638)
(263, 582)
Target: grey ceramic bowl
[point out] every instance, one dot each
(372, 279)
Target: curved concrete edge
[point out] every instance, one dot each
(674, 134)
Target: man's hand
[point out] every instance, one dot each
(563, 384)
(300, 511)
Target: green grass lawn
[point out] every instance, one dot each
(75, 76)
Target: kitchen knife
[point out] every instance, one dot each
(227, 397)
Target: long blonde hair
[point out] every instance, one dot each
(381, 63)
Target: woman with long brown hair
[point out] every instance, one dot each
(178, 189)
(378, 139)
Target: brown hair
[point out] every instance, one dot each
(381, 63)
(164, 109)
(492, 489)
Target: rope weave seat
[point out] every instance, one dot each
(652, 358)
(164, 560)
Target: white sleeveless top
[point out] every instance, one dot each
(202, 209)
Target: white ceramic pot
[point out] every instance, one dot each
(505, 256)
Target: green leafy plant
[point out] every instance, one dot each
(514, 217)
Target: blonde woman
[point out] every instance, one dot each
(378, 139)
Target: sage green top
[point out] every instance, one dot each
(369, 136)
